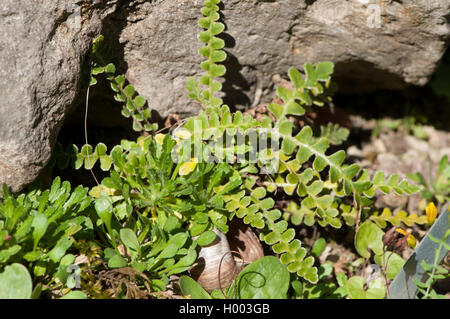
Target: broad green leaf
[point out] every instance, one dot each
(33, 255)
(60, 249)
(216, 28)
(311, 76)
(129, 239)
(92, 81)
(394, 263)
(39, 226)
(110, 68)
(376, 289)
(198, 228)
(103, 206)
(319, 247)
(324, 70)
(171, 224)
(98, 70)
(217, 43)
(178, 239)
(76, 294)
(355, 288)
(276, 109)
(5, 254)
(117, 261)
(266, 278)
(296, 78)
(139, 101)
(368, 236)
(120, 80)
(170, 251)
(129, 89)
(206, 238)
(189, 287)
(15, 282)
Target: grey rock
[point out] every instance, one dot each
(42, 52)
(42, 48)
(374, 46)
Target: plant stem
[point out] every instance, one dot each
(85, 130)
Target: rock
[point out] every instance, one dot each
(437, 139)
(394, 142)
(381, 44)
(354, 151)
(379, 146)
(396, 152)
(416, 144)
(42, 50)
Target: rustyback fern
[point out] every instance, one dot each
(335, 134)
(303, 167)
(214, 54)
(134, 105)
(397, 219)
(239, 163)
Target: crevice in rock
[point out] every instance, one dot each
(235, 84)
(310, 2)
(104, 121)
(349, 75)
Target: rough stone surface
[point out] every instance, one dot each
(42, 48)
(381, 44)
(42, 55)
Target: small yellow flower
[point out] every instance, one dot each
(99, 190)
(182, 133)
(160, 138)
(188, 167)
(410, 239)
(401, 231)
(431, 213)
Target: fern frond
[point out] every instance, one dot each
(214, 122)
(255, 209)
(397, 219)
(213, 53)
(346, 179)
(298, 214)
(88, 156)
(307, 91)
(303, 168)
(334, 133)
(135, 106)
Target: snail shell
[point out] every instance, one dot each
(217, 261)
(242, 239)
(213, 259)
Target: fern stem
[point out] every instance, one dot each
(85, 130)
